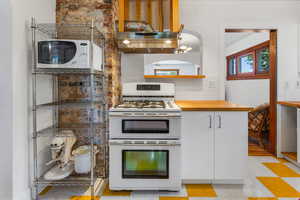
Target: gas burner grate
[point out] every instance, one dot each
(142, 104)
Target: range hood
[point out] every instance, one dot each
(141, 30)
(159, 42)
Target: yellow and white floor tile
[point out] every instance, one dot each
(268, 178)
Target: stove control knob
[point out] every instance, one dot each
(151, 142)
(162, 142)
(138, 142)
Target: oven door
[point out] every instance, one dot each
(144, 165)
(146, 127)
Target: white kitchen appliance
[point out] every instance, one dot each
(145, 139)
(69, 54)
(61, 147)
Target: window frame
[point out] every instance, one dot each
(253, 75)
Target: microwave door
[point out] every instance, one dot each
(56, 52)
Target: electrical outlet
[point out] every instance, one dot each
(212, 84)
(298, 85)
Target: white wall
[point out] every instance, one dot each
(5, 102)
(247, 92)
(132, 68)
(44, 11)
(210, 18)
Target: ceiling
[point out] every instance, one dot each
(231, 38)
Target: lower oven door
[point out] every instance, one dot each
(144, 127)
(144, 165)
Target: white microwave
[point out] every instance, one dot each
(69, 54)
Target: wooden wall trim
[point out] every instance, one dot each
(273, 92)
(174, 20)
(160, 16)
(229, 30)
(138, 10)
(121, 15)
(126, 10)
(149, 11)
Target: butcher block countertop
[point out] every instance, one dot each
(295, 104)
(210, 105)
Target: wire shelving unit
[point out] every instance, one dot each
(90, 123)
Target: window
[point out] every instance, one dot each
(252, 63)
(263, 60)
(166, 72)
(245, 63)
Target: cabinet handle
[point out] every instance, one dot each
(220, 121)
(210, 121)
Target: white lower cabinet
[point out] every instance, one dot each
(197, 155)
(214, 146)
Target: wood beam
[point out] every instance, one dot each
(149, 11)
(230, 30)
(138, 10)
(160, 16)
(121, 15)
(127, 10)
(174, 16)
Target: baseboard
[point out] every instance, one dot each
(25, 195)
(196, 181)
(201, 181)
(232, 182)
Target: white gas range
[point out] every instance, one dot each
(145, 139)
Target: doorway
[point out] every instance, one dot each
(251, 77)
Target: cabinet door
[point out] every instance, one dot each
(231, 145)
(197, 145)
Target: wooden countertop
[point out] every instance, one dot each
(210, 105)
(295, 104)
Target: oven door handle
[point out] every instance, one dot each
(143, 144)
(145, 116)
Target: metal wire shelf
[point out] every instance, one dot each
(58, 71)
(55, 130)
(73, 180)
(69, 31)
(69, 104)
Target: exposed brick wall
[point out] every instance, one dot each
(105, 15)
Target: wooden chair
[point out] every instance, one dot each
(258, 124)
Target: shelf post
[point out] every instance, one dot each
(34, 117)
(92, 131)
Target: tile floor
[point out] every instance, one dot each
(268, 178)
